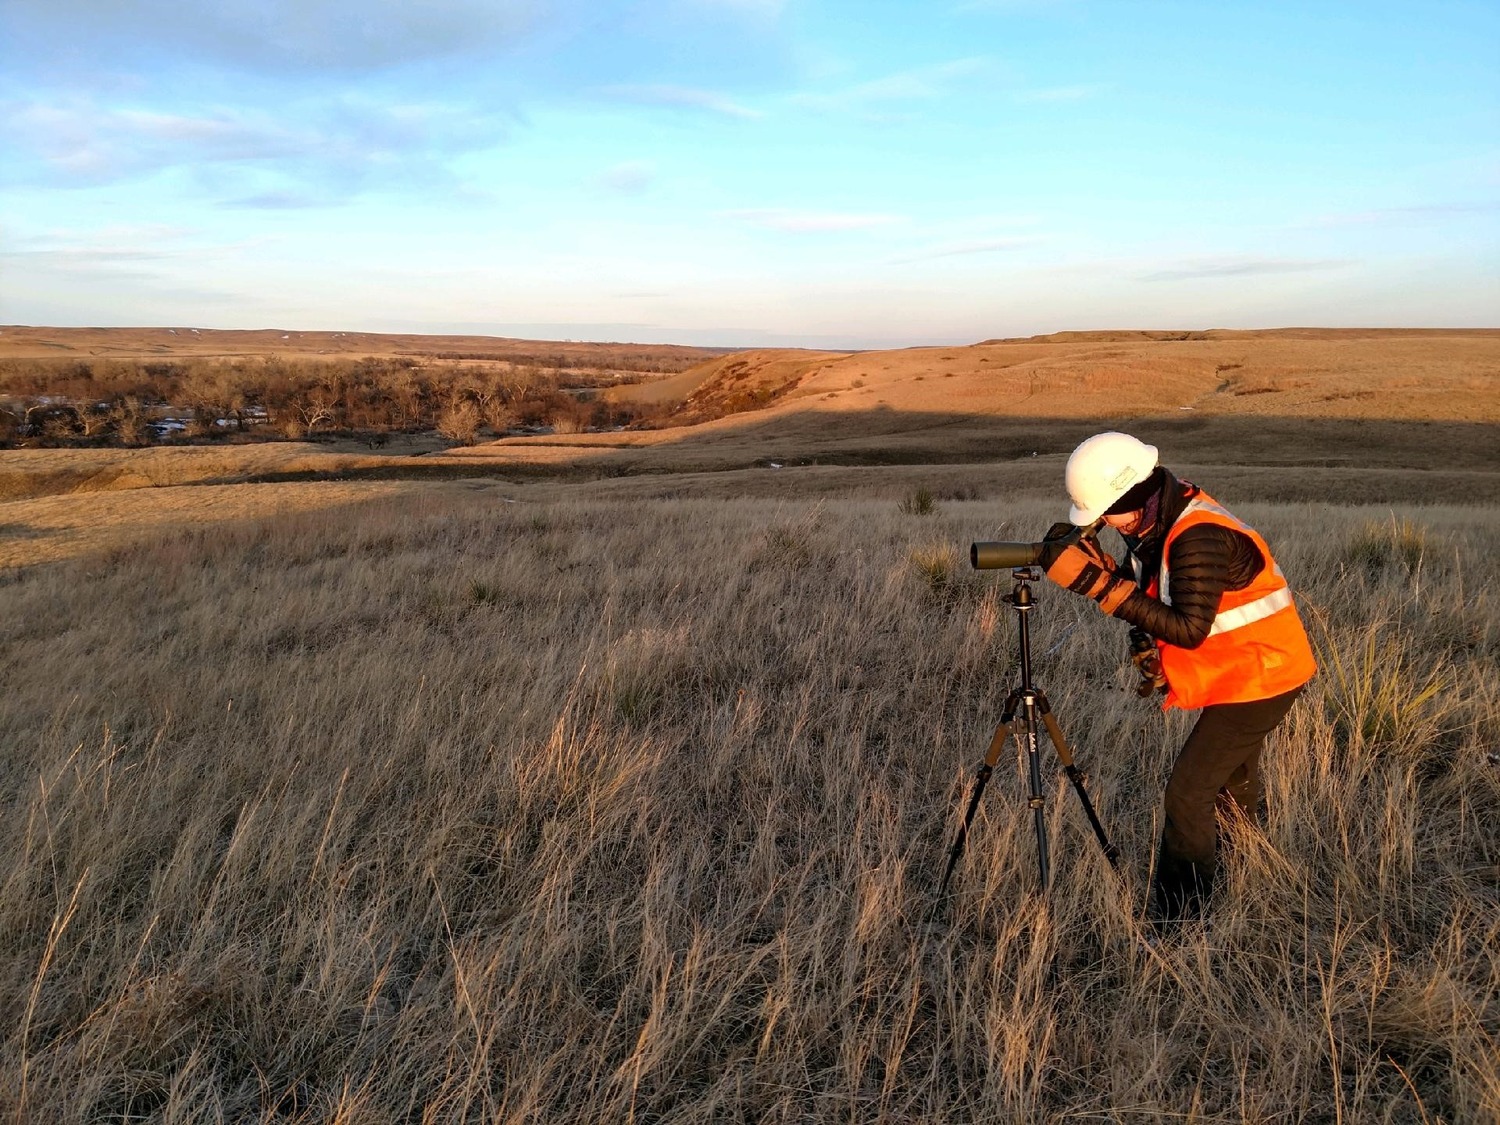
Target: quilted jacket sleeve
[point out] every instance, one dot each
(1204, 561)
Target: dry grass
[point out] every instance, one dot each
(626, 800)
(1279, 402)
(27, 473)
(573, 810)
(72, 502)
(29, 342)
(66, 527)
(1419, 375)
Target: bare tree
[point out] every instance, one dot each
(128, 419)
(460, 421)
(315, 410)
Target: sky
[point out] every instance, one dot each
(825, 173)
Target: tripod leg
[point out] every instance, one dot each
(1036, 801)
(997, 743)
(1075, 775)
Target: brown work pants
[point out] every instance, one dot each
(1217, 771)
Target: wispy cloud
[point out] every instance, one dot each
(972, 246)
(84, 256)
(631, 177)
(1051, 94)
(1242, 267)
(107, 245)
(765, 8)
(136, 264)
(347, 142)
(282, 35)
(920, 84)
(113, 234)
(680, 97)
(1398, 215)
(278, 201)
(1013, 6)
(809, 222)
(80, 258)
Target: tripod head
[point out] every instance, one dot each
(1020, 593)
(1021, 600)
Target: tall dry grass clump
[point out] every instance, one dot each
(459, 811)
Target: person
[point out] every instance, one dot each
(1228, 639)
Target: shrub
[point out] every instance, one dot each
(919, 503)
(937, 566)
(1381, 697)
(1378, 548)
(460, 421)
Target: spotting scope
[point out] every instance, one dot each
(1002, 556)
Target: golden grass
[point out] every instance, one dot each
(1421, 375)
(63, 527)
(43, 472)
(584, 810)
(625, 800)
(31, 342)
(77, 502)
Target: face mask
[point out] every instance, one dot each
(1147, 521)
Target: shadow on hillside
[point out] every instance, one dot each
(1456, 460)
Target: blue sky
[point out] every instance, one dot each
(803, 172)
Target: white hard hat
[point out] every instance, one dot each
(1103, 469)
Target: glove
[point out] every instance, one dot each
(1147, 660)
(1083, 567)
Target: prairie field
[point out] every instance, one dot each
(442, 807)
(611, 779)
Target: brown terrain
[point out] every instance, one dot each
(1428, 375)
(1345, 416)
(25, 342)
(609, 777)
(1356, 399)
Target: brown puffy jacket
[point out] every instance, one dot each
(1206, 560)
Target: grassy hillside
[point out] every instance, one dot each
(610, 777)
(25, 341)
(572, 810)
(1420, 375)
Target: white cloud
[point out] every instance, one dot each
(1232, 266)
(1400, 215)
(283, 35)
(128, 274)
(973, 246)
(79, 256)
(763, 8)
(630, 177)
(278, 200)
(1013, 6)
(1060, 94)
(111, 245)
(114, 234)
(344, 142)
(920, 84)
(117, 255)
(680, 97)
(807, 222)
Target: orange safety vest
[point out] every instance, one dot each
(1256, 648)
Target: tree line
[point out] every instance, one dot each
(145, 401)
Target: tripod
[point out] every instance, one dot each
(1032, 705)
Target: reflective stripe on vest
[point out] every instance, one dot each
(1251, 612)
(1256, 647)
(1241, 615)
